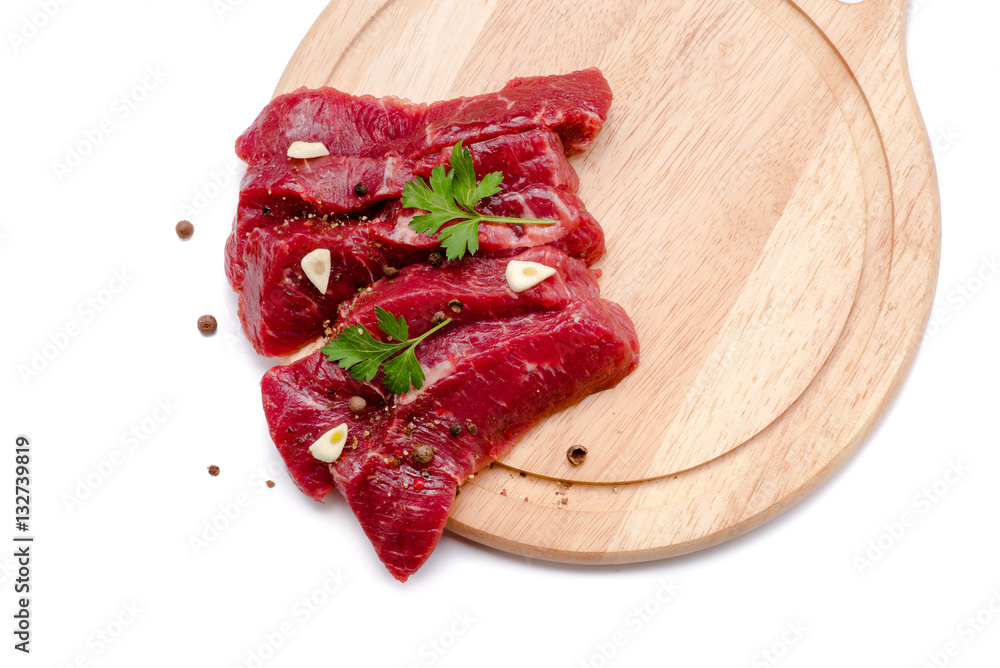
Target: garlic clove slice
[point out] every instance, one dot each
(305, 149)
(523, 275)
(328, 447)
(316, 265)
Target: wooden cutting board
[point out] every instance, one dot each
(771, 207)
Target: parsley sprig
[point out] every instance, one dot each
(452, 196)
(361, 354)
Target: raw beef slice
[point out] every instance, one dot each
(469, 290)
(496, 378)
(499, 377)
(304, 400)
(309, 397)
(281, 310)
(506, 361)
(381, 144)
(270, 197)
(575, 105)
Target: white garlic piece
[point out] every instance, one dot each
(316, 266)
(305, 149)
(328, 447)
(523, 275)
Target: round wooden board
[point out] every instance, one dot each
(772, 214)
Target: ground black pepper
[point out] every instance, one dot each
(360, 190)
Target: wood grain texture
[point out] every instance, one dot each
(772, 214)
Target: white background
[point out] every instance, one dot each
(120, 562)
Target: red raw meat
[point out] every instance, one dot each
(281, 310)
(279, 188)
(501, 377)
(526, 158)
(506, 361)
(309, 397)
(271, 198)
(382, 143)
(304, 400)
(575, 105)
(477, 283)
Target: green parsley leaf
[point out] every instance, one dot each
(463, 175)
(403, 371)
(361, 354)
(430, 223)
(419, 194)
(441, 186)
(357, 350)
(396, 328)
(453, 196)
(457, 238)
(488, 187)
